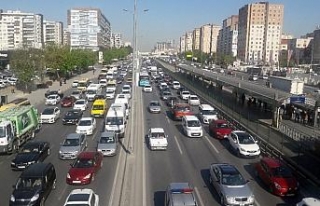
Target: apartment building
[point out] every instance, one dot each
(89, 29)
(66, 37)
(189, 41)
(209, 38)
(259, 36)
(164, 46)
(116, 40)
(228, 36)
(316, 47)
(298, 47)
(196, 39)
(20, 30)
(52, 32)
(182, 44)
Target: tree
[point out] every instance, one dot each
(116, 53)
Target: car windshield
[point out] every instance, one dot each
(281, 171)
(30, 183)
(67, 99)
(147, 86)
(83, 163)
(114, 120)
(107, 140)
(157, 135)
(77, 204)
(71, 142)
(48, 111)
(109, 92)
(154, 104)
(233, 179)
(80, 102)
(85, 123)
(91, 91)
(2, 132)
(245, 138)
(208, 112)
(72, 114)
(126, 92)
(30, 148)
(222, 125)
(97, 107)
(51, 97)
(185, 92)
(182, 108)
(193, 123)
(194, 98)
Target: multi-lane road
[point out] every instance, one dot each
(187, 159)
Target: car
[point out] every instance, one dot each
(110, 94)
(207, 113)
(68, 101)
(309, 201)
(122, 96)
(108, 143)
(50, 115)
(34, 185)
(53, 99)
(176, 85)
(157, 139)
(85, 196)
(165, 94)
(72, 116)
(147, 88)
(243, 144)
(184, 95)
(192, 126)
(103, 82)
(126, 87)
(253, 77)
(72, 145)
(194, 100)
(75, 83)
(180, 193)
(179, 110)
(30, 153)
(52, 92)
(77, 94)
(154, 107)
(81, 104)
(171, 101)
(127, 93)
(277, 177)
(231, 187)
(86, 125)
(85, 167)
(220, 129)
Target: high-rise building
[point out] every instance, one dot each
(209, 38)
(116, 40)
(316, 47)
(52, 32)
(66, 37)
(228, 36)
(260, 29)
(182, 47)
(298, 47)
(189, 41)
(196, 39)
(20, 30)
(89, 29)
(166, 46)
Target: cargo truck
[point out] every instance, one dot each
(292, 86)
(17, 126)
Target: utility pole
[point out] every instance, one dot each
(135, 49)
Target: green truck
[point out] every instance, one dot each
(17, 126)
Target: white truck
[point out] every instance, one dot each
(292, 86)
(115, 121)
(157, 139)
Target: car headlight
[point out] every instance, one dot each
(75, 152)
(277, 186)
(12, 198)
(230, 200)
(31, 162)
(60, 152)
(87, 176)
(251, 198)
(68, 176)
(34, 198)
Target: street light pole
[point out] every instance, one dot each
(135, 19)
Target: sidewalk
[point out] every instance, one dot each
(37, 96)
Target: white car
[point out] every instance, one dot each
(207, 113)
(53, 99)
(127, 93)
(103, 82)
(126, 87)
(185, 95)
(176, 85)
(86, 125)
(12, 81)
(50, 115)
(194, 100)
(81, 104)
(309, 201)
(243, 144)
(82, 197)
(157, 139)
(147, 88)
(75, 83)
(122, 96)
(110, 94)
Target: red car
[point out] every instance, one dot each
(181, 109)
(68, 101)
(277, 177)
(219, 128)
(84, 168)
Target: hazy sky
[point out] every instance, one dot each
(169, 19)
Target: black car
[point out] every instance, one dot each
(51, 92)
(72, 116)
(31, 152)
(171, 101)
(34, 185)
(181, 89)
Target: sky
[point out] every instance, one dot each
(169, 19)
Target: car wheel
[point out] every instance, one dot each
(221, 200)
(238, 153)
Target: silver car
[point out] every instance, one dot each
(154, 107)
(230, 185)
(72, 145)
(107, 144)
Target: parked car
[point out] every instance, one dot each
(243, 144)
(50, 115)
(86, 125)
(84, 196)
(230, 185)
(30, 153)
(72, 145)
(68, 101)
(220, 129)
(84, 168)
(277, 176)
(72, 116)
(108, 143)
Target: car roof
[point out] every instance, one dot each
(79, 196)
(86, 118)
(219, 121)
(193, 95)
(73, 136)
(35, 170)
(191, 117)
(156, 130)
(182, 105)
(206, 107)
(228, 169)
(271, 162)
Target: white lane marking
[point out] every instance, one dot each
(180, 150)
(211, 144)
(256, 203)
(168, 120)
(198, 194)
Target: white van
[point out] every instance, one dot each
(207, 113)
(121, 107)
(176, 85)
(121, 98)
(115, 121)
(192, 126)
(93, 90)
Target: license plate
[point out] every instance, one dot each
(21, 167)
(77, 182)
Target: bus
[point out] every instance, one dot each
(144, 79)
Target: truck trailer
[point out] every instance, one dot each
(292, 86)
(17, 126)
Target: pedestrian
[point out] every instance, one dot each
(12, 90)
(281, 112)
